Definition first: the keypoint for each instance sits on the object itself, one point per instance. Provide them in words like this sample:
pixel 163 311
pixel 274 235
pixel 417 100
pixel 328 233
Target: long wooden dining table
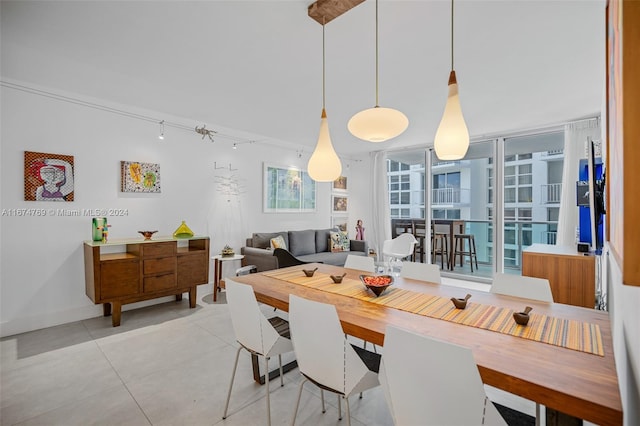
pixel 580 384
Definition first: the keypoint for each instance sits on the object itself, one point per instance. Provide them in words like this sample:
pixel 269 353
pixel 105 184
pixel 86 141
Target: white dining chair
pixel 522 286
pixel 324 356
pixel 363 263
pixel 255 333
pixel 399 247
pixel 430 382
pixel 421 271
pixel 525 287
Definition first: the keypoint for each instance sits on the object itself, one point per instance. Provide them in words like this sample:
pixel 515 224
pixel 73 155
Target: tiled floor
pixel 165 365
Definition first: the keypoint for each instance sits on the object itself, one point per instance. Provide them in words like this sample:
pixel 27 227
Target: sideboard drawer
pixel 159 249
pixel 159 265
pixel 159 282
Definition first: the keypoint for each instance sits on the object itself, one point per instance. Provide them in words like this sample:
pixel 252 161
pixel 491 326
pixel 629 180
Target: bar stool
pixel 459 249
pixel 439 246
pixel 420 232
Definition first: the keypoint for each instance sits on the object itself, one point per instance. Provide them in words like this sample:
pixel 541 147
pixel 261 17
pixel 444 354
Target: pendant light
pixel 324 164
pixel 452 137
pixel 378 124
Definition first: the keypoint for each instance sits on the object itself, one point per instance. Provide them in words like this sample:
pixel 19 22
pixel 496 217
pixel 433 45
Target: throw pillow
pixel 339 241
pixel 278 242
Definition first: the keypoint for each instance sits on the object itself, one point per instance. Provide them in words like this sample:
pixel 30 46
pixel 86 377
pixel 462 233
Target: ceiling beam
pixel 324 11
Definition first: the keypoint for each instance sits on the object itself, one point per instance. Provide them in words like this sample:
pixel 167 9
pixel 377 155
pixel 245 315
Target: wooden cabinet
pixel 126 271
pixel 570 273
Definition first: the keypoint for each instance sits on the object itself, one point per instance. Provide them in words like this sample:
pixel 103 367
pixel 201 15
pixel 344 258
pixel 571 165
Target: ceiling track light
pixel 161 136
pixel 452 137
pixel 324 164
pixel 378 124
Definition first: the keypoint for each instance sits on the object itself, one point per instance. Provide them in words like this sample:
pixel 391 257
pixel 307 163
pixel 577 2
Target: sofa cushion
pixel 302 242
pixel 278 242
pixel 322 239
pixel 263 239
pixel 339 241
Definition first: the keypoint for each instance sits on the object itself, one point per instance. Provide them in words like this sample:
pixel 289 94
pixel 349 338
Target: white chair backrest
pixel 251 327
pixel 401 246
pixel 519 286
pixel 363 263
pixel 430 382
pixel 322 352
pixel 421 271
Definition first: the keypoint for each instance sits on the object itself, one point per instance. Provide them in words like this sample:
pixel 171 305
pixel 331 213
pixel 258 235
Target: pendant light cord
pixel 323 66
pixel 377 53
pixel 452 35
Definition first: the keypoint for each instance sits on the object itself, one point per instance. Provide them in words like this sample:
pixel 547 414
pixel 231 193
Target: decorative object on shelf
pixel 48 177
pixel 376 283
pixel 183 231
pixel 378 124
pixel 452 137
pixel 337 278
pixel 139 177
pixel 96 226
pixel 460 303
pixel 309 272
pixel 227 252
pixel 522 318
pixel 104 229
pixel 147 234
pixel 359 230
pixel 324 164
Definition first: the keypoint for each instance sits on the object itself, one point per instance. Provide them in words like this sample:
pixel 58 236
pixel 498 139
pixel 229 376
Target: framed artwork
pixel 140 177
pixel 288 190
pixel 340 184
pixel 340 222
pixel 339 203
pixel 48 177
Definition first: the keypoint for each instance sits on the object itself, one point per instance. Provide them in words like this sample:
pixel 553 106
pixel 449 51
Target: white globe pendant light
pixel 324 164
pixel 377 124
pixel 452 137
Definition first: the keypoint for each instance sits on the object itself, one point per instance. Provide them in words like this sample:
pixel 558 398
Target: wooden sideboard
pixel 126 271
pixel 570 273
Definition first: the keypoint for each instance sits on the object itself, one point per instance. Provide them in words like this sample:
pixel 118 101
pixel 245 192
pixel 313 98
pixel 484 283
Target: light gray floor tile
pixel 60 378
pixel 156 348
pixel 113 406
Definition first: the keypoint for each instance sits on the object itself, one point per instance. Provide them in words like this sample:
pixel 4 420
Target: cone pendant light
pixel 377 124
pixel 452 137
pixel 324 164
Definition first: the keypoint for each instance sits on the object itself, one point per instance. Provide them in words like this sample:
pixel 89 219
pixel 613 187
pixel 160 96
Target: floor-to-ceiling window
pixel 528 192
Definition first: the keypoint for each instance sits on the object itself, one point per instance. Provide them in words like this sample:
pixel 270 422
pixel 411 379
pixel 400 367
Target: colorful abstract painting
pixel 48 177
pixel 140 177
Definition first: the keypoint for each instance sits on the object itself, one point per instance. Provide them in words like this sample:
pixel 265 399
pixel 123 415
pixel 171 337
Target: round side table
pixel 217 271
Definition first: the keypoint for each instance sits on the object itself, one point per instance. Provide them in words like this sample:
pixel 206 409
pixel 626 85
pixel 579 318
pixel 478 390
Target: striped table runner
pixel 571 334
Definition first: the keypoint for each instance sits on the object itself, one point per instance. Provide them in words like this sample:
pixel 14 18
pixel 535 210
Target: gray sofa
pixel 309 245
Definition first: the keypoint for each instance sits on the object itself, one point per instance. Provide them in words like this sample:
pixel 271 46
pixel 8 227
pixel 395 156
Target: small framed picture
pixel 340 184
pixel 340 222
pixel 339 204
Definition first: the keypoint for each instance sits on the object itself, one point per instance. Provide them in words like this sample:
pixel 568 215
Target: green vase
pixel 98 224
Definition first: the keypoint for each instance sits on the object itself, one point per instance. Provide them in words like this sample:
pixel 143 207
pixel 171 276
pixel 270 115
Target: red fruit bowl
pixel 377 283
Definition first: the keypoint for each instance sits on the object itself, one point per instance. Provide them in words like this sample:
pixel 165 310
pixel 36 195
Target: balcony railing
pixel 551 193
pixel 450 196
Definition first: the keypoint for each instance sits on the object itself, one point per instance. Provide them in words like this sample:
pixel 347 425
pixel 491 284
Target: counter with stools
pixel 460 250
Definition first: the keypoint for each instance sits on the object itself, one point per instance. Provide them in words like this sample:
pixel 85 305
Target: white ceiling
pixel 255 67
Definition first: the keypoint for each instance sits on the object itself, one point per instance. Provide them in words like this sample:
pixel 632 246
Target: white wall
pixel 41 263
pixel 623 303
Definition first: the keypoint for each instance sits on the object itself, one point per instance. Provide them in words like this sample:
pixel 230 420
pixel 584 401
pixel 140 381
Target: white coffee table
pixel 218 282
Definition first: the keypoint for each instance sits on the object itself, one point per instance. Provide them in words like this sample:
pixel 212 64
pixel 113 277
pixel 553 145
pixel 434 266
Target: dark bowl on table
pixel 376 283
